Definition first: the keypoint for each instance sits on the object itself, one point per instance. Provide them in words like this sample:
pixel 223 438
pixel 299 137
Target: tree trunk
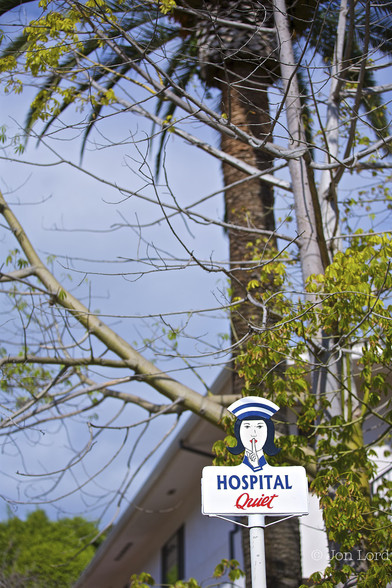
pixel 249 202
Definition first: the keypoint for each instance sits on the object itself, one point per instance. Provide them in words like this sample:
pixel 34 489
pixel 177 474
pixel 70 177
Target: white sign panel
pixel 237 490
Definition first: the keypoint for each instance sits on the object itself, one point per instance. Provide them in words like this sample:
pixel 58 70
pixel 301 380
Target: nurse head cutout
pixel 254 430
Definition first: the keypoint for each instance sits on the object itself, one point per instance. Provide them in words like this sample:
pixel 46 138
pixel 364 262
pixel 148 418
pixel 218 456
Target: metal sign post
pixel 254 488
pixel 256 525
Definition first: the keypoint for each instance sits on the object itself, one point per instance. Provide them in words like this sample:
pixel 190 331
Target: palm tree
pixel 232 46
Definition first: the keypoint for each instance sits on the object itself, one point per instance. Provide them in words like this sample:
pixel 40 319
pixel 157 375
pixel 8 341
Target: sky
pixel 76 218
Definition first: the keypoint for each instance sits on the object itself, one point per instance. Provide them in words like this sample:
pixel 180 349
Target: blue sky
pixel 74 217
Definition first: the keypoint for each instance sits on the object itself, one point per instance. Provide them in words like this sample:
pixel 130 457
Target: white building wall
pixel 314 545
pixel 206 543
pixel 153 567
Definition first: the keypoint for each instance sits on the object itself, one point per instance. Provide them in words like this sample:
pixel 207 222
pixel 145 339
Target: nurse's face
pixel 253 434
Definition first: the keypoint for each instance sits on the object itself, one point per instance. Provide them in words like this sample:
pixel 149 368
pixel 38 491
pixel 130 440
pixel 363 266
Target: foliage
pixel 225 567
pixel 353 312
pixel 141 581
pixel 46 553
pixel 230 566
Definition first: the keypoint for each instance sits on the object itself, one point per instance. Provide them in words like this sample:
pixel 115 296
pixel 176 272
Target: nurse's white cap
pixel 253 406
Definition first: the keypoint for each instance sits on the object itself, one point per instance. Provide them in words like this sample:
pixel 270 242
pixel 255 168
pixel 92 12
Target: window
pixel 173 558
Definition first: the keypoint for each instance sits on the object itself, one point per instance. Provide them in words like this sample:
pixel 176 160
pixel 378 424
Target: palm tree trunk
pixel 251 204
